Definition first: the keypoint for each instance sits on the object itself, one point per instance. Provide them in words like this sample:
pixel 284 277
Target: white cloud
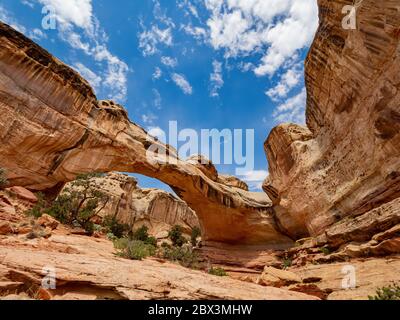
pixel 157 73
pixel 115 70
pixel 198 33
pixel 157 98
pixel 76 15
pixel 88 74
pixel 8 18
pixel 150 39
pixel 288 81
pixel 161 16
pixel 76 12
pixel 293 110
pixel 169 62
pixel 189 8
pixel 216 79
pixel 149 118
pixel 182 83
pixel 28 3
pixel 254 179
pixel 277 28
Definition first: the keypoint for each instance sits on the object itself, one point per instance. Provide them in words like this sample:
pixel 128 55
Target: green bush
pixel 37 209
pixel 3 178
pixel 142 234
pixel 391 292
pixel 115 227
pixel 325 251
pixel 76 205
pixel 134 249
pixel 185 256
pixel 196 232
pixel 286 263
pixel 220 272
pixel 175 235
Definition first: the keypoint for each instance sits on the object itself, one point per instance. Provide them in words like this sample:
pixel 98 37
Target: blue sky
pixel 235 64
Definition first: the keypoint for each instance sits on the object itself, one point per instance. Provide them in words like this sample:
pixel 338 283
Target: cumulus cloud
pixel 292 110
pixel 182 83
pixel 72 17
pixel 76 12
pixel 277 29
pixel 216 79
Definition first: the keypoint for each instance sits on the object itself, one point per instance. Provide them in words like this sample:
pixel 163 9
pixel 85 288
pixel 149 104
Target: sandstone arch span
pixel 53 128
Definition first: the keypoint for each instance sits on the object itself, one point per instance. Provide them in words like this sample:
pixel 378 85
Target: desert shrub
pixel 165 245
pixel 3 178
pixel 220 272
pixel 325 250
pixel 134 249
pixel 175 235
pixel 111 236
pixel 37 210
pixel 185 256
pixel 115 227
pixel 142 234
pixel 286 262
pixel 196 232
pixel 391 292
pixel 75 205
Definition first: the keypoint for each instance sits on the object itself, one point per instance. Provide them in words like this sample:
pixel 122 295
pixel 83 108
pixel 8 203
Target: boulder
pixel 23 194
pixel 48 221
pixel 6 228
pixel 277 278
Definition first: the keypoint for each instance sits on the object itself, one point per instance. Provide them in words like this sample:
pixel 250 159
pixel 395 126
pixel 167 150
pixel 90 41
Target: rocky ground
pixel 87 267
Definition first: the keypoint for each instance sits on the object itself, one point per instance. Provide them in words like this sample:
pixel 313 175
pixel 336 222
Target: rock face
pixel 157 209
pixel 346 162
pixel 53 128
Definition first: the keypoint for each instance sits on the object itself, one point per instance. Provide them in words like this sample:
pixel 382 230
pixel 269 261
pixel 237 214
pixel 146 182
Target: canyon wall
pixel 346 162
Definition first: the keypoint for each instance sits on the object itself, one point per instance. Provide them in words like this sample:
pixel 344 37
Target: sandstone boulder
pixel 48 221
pixel 23 194
pixel 6 228
pixel 277 278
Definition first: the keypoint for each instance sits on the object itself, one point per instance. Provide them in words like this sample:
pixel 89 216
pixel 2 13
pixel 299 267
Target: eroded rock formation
pixel 52 128
pixel 346 164
pixel 157 209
